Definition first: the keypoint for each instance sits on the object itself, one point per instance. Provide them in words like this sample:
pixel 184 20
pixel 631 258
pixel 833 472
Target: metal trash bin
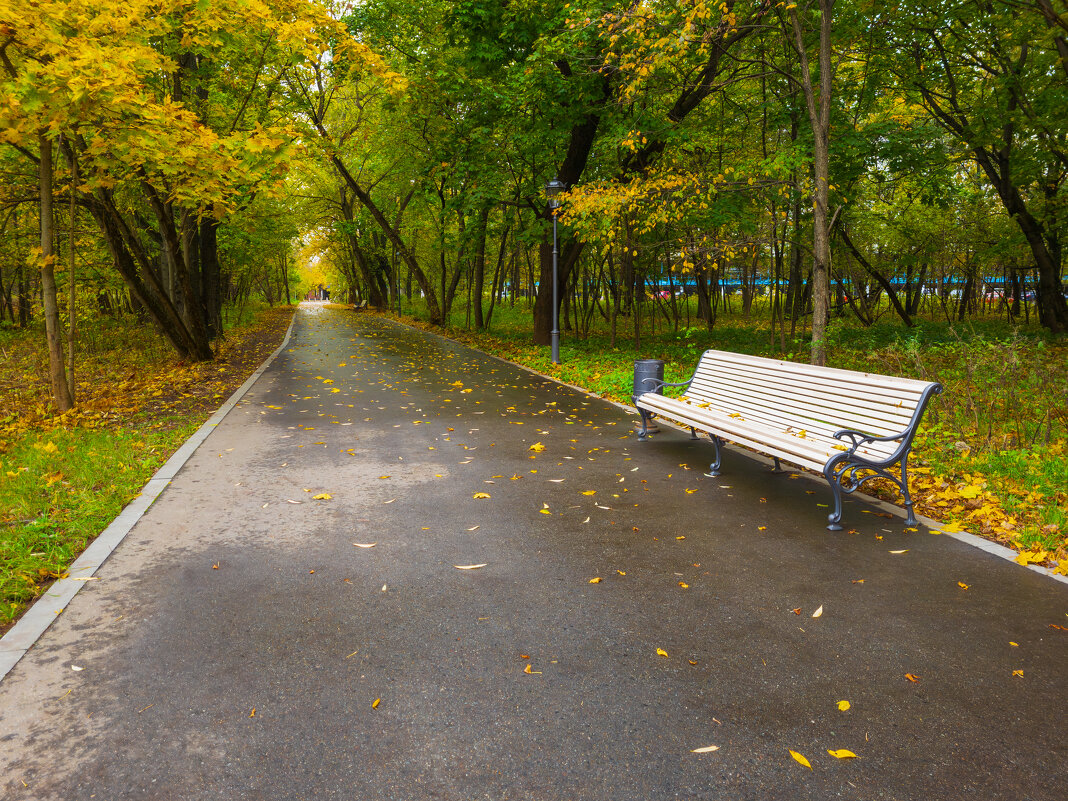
pixel 647 368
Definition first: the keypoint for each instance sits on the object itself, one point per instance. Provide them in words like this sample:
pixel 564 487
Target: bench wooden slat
pixel 866 403
pixel 789 425
pixel 774 382
pixel 814 372
pixel 814 451
pixel 840 414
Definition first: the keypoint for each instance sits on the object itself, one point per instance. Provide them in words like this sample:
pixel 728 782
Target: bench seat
pixel 850 426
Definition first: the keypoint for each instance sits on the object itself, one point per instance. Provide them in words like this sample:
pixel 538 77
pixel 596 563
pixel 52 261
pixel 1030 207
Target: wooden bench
pixel 850 426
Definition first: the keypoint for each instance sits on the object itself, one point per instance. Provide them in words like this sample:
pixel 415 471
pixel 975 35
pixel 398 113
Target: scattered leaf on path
pixel 842 753
pixel 843 705
pixel 365 544
pixel 480 495
pixel 661 652
pixel 596 580
pixel 903 550
pixel 322 496
pixel 818 612
pixel 470 567
pixel 800 758
pixel 375 703
pixel 706 750
pixel 912 677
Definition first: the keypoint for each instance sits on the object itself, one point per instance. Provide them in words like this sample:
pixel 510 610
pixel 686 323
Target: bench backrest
pixel 797 397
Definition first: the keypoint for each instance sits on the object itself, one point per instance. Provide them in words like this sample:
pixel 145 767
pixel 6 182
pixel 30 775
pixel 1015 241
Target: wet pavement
pixel 239 644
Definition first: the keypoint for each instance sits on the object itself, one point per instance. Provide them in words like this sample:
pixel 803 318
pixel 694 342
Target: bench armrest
pixel 656 384
pixel 859 438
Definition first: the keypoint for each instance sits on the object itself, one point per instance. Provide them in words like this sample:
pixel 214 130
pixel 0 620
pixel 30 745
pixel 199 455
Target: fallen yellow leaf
pixel 800 758
pixel 1028 557
pixel 842 753
pixel 1018 673
pixel 684 585
pixel 589 492
pixel 480 495
pixel 843 705
pixel 322 496
pixel 537 447
pixel 962 585
pixel 375 703
pixel 470 567
pixel 596 580
pixel 952 528
pixel 706 750
pixel 661 652
pixel 903 550
pixel 912 677
pixel 365 544
pixel 818 612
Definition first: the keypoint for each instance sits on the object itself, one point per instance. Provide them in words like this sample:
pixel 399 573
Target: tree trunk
pixel 480 267
pixel 72 306
pixel 819 114
pixel 60 388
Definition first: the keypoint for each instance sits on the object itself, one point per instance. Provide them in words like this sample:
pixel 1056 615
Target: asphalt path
pixel 239 644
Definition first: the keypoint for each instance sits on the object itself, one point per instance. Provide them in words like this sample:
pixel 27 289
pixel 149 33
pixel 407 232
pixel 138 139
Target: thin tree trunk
pixel 60 388
pixel 72 317
pixel 819 114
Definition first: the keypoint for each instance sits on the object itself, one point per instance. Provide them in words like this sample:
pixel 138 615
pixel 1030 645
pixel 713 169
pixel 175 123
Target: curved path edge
pixel 36 620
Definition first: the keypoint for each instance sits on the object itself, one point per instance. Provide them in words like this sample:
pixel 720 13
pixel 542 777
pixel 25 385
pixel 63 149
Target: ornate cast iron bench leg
pixel 646 417
pixel 713 469
pixel 834 477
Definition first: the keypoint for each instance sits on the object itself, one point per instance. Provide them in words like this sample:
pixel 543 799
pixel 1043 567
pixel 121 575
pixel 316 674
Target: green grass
pixel 59 490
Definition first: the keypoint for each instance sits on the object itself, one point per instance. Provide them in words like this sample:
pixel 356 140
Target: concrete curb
pixel 992 548
pixel 29 628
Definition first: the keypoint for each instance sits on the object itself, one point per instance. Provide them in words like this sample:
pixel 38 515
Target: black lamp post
pixel 552 192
